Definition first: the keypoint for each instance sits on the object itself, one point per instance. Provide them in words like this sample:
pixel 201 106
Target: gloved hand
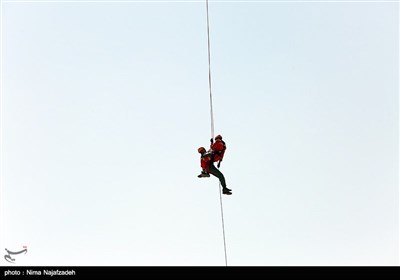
pixel 219 164
pixel 212 141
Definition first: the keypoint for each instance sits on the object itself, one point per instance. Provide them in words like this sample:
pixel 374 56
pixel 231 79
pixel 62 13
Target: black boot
pixel 226 191
pixel 203 174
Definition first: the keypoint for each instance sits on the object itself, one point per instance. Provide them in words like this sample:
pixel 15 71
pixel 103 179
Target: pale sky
pixel 105 104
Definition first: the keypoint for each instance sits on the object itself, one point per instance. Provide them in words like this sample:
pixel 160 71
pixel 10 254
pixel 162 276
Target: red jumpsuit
pixel 205 161
pixel 219 148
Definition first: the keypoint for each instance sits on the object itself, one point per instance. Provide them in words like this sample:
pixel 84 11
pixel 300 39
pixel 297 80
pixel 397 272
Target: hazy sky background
pixel 105 105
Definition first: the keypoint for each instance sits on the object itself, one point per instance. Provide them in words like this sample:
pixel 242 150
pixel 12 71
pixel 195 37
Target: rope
pixel 212 125
pixel 209 72
pixel 223 224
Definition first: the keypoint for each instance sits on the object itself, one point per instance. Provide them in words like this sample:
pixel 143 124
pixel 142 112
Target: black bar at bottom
pixel 188 272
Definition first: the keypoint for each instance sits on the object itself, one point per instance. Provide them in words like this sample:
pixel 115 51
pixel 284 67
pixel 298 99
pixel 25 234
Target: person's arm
pixel 209 153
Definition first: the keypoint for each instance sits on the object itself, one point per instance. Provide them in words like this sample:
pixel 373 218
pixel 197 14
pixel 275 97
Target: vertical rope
pixel 223 224
pixel 212 126
pixel 209 72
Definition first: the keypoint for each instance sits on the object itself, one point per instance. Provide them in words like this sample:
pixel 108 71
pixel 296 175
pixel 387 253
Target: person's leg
pixel 214 171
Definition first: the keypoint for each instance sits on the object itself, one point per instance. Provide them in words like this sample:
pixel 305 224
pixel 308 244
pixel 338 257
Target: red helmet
pixel 218 137
pixel 201 150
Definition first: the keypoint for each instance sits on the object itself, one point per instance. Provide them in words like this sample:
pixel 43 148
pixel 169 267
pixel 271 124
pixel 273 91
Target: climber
pixel 219 148
pixel 207 165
